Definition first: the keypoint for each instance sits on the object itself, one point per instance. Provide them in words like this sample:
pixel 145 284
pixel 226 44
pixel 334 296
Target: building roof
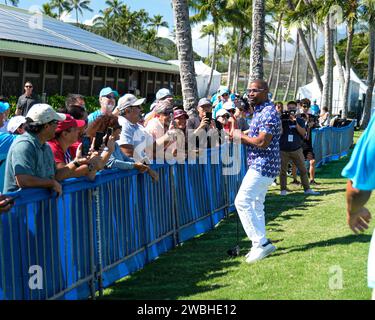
pixel 23 32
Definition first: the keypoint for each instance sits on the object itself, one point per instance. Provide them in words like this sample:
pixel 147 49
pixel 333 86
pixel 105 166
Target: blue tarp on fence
pixel 101 231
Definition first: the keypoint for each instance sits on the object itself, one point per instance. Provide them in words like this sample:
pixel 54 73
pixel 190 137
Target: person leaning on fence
pixel 162 95
pixel 264 164
pixel 134 140
pixel 292 134
pixel 117 159
pixel 30 162
pixel 324 118
pixel 107 100
pixel 361 174
pixel 27 100
pixel 69 158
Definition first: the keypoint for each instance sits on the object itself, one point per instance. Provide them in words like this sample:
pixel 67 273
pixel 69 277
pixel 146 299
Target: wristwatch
pixel 76 163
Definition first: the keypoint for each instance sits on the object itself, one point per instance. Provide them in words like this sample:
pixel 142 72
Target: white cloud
pixel 67 17
pixel 164 32
pixel 90 22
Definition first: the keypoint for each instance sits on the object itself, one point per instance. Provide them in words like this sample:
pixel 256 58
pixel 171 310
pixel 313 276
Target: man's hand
pixel 142 168
pixel 204 123
pixel 359 220
pixel 57 188
pixel 5 203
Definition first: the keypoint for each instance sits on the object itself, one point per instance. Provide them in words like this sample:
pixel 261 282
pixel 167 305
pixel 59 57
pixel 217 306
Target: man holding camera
pixel 293 133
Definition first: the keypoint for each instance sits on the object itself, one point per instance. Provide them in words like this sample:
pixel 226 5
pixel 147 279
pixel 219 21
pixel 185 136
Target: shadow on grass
pixel 362 238
pixel 197 265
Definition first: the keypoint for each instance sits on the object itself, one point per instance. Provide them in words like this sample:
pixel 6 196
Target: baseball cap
pixel 180 113
pixel 4 106
pixel 222 112
pixel 223 91
pixel 162 93
pixel 129 100
pixel 43 113
pixel 68 123
pixel 15 122
pixel 229 105
pixel 163 106
pixel 204 102
pixel 106 91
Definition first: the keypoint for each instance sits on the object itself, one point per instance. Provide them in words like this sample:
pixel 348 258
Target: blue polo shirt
pixel 27 156
pixel 265 161
pixel 6 140
pixel 94 115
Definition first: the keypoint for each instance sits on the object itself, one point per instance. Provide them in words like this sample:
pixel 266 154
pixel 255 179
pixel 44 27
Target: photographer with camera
pixel 293 132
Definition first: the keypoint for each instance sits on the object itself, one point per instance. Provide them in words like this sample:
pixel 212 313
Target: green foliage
pixel 358 57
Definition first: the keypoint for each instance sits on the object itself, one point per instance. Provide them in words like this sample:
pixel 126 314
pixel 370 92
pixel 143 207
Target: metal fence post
pixel 99 242
pixel 92 283
pixel 175 217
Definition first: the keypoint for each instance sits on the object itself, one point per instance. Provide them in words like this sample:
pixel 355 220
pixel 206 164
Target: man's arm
pixel 358 217
pixel 262 141
pixel 128 150
pixel 301 130
pixel 28 181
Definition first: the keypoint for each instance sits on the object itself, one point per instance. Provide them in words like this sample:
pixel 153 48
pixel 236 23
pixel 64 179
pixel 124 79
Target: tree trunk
pixel 339 66
pixel 270 78
pixel 370 78
pixel 230 67
pixel 238 61
pixel 309 55
pixel 290 76
pixel 185 53
pixel 296 78
pixel 212 65
pixel 278 68
pixel 328 76
pixel 257 40
pixel 345 96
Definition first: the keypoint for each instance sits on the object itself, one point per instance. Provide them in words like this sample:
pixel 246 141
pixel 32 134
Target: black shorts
pixel 308 151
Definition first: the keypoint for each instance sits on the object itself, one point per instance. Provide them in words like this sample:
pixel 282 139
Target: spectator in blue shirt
pixel 6 140
pixel 223 96
pixel 314 109
pixel 107 100
pixel 361 172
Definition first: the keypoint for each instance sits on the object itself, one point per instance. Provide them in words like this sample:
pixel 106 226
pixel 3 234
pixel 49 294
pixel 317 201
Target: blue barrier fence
pixel 101 231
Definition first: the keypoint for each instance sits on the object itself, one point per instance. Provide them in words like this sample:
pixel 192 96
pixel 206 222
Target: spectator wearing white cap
pixel 161 95
pixel 134 140
pixel 231 125
pixel 223 97
pixel 16 125
pixel 107 100
pixel 30 162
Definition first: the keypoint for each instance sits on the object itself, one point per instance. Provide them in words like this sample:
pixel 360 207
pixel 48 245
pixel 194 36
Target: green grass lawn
pixel 312 239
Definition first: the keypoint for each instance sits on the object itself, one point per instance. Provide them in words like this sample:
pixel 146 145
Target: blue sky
pixel 162 7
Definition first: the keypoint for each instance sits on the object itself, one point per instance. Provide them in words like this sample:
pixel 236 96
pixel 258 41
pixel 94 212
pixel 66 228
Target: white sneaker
pixel 257 254
pixel 312 192
pixel 283 193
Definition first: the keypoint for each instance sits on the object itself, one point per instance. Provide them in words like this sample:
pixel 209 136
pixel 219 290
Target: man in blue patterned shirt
pixel 264 166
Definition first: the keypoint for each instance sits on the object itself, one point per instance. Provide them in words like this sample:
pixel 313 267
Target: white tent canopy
pixel 203 72
pixel 356 89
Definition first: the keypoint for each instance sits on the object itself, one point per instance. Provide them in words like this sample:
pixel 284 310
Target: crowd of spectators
pixel 40 147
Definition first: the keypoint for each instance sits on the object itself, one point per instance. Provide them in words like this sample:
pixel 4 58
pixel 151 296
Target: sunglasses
pixel 255 90
pixel 28 86
pixel 110 96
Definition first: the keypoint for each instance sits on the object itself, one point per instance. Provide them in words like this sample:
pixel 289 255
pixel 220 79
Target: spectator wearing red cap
pixel 179 147
pixel 68 157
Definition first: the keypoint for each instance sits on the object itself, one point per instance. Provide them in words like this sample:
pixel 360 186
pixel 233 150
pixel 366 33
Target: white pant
pixel 250 206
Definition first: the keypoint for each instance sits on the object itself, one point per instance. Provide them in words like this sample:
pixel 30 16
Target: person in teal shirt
pixel 361 174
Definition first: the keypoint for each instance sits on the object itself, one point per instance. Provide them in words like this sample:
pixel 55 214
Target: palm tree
pixel 47 10
pixel 12 2
pixel 204 9
pixel 61 6
pixel 368 8
pixel 157 22
pixel 114 7
pixel 296 77
pixel 257 41
pixel 104 23
pixel 185 53
pixel 270 78
pixel 280 45
pixel 328 63
pixel 79 6
pixel 286 94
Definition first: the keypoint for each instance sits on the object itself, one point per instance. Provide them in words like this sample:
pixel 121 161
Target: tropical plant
pixel 157 22
pixel 12 2
pixel 79 6
pixel 185 53
pixel 61 6
pixel 48 11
